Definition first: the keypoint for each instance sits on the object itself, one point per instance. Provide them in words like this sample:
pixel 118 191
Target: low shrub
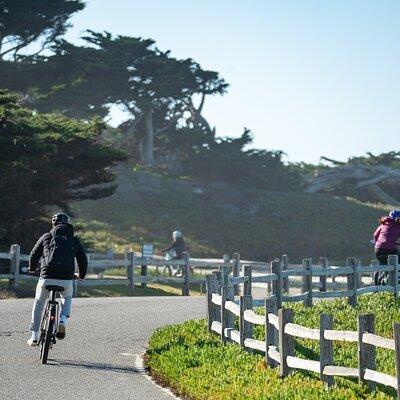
pixel 197 366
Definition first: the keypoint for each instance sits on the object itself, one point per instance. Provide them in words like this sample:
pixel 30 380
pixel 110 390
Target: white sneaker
pixel 33 341
pixel 61 330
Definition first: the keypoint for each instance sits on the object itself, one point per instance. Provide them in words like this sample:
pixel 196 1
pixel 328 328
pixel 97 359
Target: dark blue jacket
pixel 38 254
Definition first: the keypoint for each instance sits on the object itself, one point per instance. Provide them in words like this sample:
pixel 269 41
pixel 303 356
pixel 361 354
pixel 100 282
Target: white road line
pixel 139 367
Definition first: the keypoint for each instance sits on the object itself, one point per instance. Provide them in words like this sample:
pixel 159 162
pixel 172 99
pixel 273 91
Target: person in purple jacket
pixel 385 237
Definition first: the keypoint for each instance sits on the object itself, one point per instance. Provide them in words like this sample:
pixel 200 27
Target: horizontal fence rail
pixel 281 332
pixel 353 286
pixel 242 275
pixel 131 263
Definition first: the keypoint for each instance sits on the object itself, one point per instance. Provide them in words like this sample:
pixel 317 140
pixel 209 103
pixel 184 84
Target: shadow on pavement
pixel 95 366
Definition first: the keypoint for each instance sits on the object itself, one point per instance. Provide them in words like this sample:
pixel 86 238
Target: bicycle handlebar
pixel 25 270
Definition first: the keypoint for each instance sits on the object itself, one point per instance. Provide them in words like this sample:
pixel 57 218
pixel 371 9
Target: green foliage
pixel 24 21
pixel 47 160
pixel 153 87
pixel 201 155
pixel 197 366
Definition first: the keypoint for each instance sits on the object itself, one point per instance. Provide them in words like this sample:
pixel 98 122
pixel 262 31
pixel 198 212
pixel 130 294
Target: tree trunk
pixel 1 46
pixel 148 145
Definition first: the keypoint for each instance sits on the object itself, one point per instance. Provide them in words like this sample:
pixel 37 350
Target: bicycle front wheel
pixel 47 340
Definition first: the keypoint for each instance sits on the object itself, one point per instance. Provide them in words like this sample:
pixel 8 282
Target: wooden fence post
pixel 325 348
pixel 224 275
pixel 277 284
pixel 285 266
pixel 90 268
pixel 245 328
pixel 186 274
pixel 323 262
pixel 15 252
pixel 271 338
pixel 396 335
pixel 352 281
pixel 130 267
pixel 286 342
pixel 219 277
pixel 223 313
pixel 247 285
pixel 269 283
pixel 394 275
pixel 359 274
pixel 236 272
pixel 217 288
pixel 226 315
pixel 126 256
pixel 143 272
pixel 366 352
pixel 307 283
pixel 212 287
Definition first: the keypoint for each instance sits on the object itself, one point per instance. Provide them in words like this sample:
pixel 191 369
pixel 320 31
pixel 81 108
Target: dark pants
pixel 381 277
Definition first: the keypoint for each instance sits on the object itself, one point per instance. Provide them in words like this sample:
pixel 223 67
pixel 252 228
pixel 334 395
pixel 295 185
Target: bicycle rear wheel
pixel 48 338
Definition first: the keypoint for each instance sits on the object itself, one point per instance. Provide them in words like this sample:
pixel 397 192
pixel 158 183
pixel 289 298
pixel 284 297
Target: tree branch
pixel 133 110
pixel 166 127
pixel 14 49
pixel 42 47
pixel 199 109
pixel 333 161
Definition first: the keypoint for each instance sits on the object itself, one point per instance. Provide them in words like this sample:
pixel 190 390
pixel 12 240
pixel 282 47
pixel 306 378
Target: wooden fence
pixel 241 273
pixel 352 272
pixel 131 263
pixel 280 334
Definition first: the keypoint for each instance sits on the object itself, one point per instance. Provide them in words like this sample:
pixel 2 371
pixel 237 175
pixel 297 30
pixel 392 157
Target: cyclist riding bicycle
pixel 177 247
pixel 54 255
pixel 385 238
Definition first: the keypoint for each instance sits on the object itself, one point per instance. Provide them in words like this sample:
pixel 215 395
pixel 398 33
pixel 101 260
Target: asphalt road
pixel 96 359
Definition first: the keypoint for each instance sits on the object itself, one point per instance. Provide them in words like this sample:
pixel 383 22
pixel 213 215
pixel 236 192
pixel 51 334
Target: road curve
pixel 96 359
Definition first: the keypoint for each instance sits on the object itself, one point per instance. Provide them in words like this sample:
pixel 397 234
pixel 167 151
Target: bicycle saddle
pixel 54 288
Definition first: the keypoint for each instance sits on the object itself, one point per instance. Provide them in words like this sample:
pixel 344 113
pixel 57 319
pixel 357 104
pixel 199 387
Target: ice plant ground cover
pixel 196 365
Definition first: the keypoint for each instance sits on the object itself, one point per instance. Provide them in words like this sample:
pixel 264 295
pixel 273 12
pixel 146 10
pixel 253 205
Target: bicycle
pixel 50 320
pixel 381 278
pixel 49 324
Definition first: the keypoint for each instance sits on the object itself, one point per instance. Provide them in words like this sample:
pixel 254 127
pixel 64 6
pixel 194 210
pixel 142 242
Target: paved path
pixel 96 359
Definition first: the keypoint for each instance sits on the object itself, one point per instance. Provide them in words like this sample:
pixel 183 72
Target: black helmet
pixel 60 218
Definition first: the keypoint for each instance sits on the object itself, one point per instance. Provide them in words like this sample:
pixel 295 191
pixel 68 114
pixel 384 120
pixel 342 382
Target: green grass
pixel 257 224
pixel 197 366
pixel 27 290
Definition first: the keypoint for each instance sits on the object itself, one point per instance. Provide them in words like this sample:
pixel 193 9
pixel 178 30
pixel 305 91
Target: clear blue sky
pixel 310 78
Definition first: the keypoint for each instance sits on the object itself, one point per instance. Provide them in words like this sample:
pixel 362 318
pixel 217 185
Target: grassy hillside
pixel 216 219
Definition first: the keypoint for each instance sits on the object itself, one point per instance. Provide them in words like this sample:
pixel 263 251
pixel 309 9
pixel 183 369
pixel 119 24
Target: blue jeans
pixel 42 295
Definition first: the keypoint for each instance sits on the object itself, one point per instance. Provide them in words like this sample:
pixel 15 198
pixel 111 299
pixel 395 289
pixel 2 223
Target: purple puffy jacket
pixel 387 234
